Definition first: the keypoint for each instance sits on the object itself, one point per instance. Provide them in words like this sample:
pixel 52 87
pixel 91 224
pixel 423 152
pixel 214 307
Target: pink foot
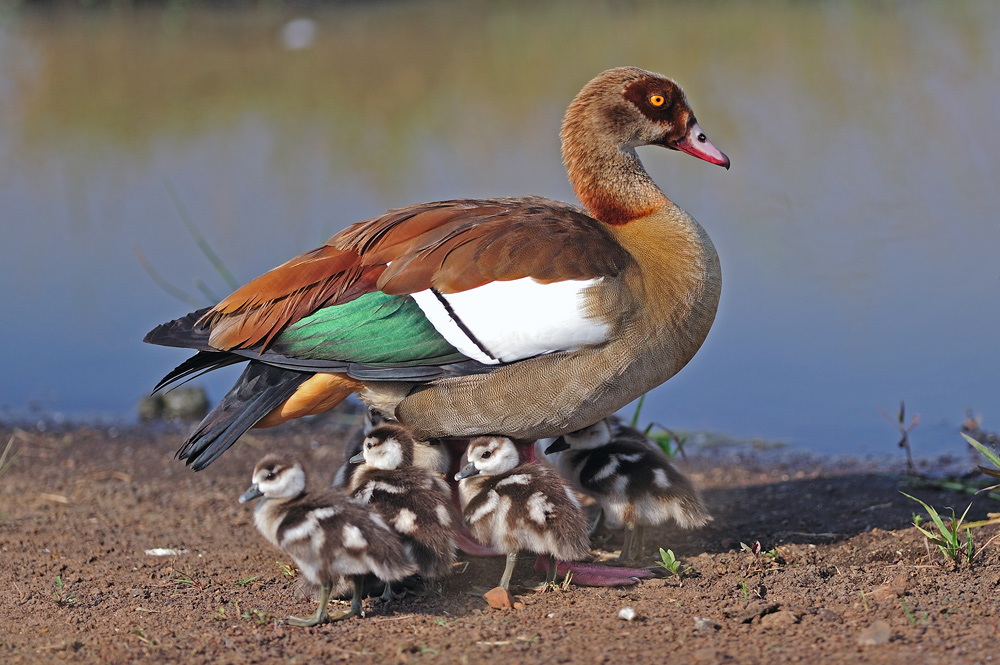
pixel 595 574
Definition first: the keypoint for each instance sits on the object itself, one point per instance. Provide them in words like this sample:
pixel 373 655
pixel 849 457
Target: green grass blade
pixel 638 409
pixel 203 245
pixel 983 450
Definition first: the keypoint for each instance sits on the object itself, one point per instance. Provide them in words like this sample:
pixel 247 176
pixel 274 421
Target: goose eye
pixel 486 454
pixel 270 476
pixel 656 100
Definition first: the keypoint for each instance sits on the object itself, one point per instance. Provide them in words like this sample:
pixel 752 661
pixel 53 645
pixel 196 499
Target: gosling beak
pixel 468 470
pixel 357 459
pixel 696 144
pixel 252 493
pixel 556 446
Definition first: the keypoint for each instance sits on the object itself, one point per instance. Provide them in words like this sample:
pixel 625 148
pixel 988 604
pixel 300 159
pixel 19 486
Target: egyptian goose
pixel 415 502
pixel 523 317
pixel 327 535
pixel 430 455
pixel 632 480
pixel 515 507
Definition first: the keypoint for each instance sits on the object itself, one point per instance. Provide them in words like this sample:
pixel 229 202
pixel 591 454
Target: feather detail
pixel 452 246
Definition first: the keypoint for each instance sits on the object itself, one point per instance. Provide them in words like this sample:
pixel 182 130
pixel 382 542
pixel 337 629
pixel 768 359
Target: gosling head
pixel 592 436
pixel 276 477
pixel 489 456
pixel 387 447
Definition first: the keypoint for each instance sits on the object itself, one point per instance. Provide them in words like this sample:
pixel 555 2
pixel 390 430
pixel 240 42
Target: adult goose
pixel 522 317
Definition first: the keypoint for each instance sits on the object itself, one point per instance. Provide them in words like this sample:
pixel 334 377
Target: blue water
pixel 858 228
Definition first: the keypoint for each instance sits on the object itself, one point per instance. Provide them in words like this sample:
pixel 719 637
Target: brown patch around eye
pixel 656 98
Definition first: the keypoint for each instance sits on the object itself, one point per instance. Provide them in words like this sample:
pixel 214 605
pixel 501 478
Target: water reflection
pixel 857 227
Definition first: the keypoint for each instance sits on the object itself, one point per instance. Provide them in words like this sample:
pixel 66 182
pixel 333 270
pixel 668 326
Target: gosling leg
pixel 508 570
pixel 628 544
pixel 321 615
pixel 639 547
pixel 355 611
pixel 599 531
pixel 386 593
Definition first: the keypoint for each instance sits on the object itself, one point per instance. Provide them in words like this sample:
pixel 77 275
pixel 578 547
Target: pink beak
pixel 697 144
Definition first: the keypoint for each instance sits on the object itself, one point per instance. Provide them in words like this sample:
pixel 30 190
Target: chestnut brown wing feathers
pixel 450 245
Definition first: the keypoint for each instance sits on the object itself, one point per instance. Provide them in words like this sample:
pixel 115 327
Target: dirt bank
pixel 82 511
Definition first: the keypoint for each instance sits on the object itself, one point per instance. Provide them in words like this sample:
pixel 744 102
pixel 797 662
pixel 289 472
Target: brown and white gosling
pixel 629 476
pixel 326 534
pixel 430 455
pixel 413 501
pixel 513 507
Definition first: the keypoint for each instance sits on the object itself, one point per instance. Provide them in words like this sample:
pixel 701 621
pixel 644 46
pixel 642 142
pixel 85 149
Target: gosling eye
pixel 270 476
pixel 487 454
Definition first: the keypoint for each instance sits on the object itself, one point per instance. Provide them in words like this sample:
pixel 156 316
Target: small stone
pixel 779 619
pixel 627 614
pixel 826 614
pixel 883 594
pixel 499 598
pixel 877 633
pixel 518 605
pixel 702 623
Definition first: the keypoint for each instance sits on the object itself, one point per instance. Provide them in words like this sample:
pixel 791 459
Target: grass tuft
pixel 947 539
pixel 671 564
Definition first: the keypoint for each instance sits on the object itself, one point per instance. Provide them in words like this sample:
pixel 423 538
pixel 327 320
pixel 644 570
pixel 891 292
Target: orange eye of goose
pixel 656 100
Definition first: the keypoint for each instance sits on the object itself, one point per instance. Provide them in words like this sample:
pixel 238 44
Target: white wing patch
pixel 514 319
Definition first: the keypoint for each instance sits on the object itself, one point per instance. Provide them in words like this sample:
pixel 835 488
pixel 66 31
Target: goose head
pixel 386 447
pixel 489 456
pixel 278 477
pixel 630 107
pixel 616 112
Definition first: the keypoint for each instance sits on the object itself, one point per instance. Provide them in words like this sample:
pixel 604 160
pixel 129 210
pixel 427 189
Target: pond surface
pixel 859 226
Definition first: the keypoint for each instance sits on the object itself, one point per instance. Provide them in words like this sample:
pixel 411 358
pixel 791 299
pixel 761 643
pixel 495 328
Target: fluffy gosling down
pixel 414 501
pixel 430 455
pixel 629 476
pixel 513 507
pixel 326 534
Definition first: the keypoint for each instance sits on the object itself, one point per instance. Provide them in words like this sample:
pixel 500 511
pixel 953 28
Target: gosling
pixel 430 455
pixel 326 534
pixel 415 502
pixel 513 507
pixel 630 477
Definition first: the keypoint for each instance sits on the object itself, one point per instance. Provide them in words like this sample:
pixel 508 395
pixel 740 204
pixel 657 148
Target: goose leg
pixel 386 593
pixel 508 570
pixel 321 614
pixel 553 570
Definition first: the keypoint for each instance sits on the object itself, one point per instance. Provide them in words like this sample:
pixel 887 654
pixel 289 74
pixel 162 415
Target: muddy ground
pixel 847 580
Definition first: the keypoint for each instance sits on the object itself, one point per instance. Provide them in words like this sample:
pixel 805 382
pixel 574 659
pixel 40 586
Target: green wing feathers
pixel 374 329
